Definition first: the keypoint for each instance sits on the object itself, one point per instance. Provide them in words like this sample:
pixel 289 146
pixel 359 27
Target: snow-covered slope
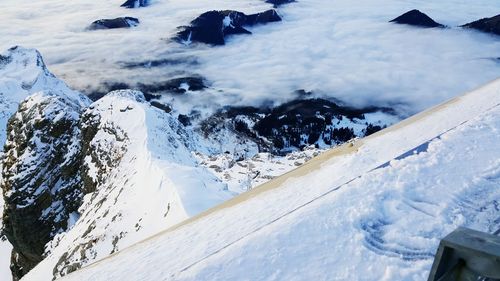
pixel 374 209
pixel 147 168
pixel 142 177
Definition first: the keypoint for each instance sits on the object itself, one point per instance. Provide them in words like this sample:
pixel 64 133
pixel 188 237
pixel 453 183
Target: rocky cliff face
pixel 41 176
pixel 41 158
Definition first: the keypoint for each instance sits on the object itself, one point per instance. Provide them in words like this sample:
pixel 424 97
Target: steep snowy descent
pixel 142 177
pixel 343 212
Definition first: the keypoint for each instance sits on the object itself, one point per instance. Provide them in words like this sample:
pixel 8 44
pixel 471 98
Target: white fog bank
pixel 334 48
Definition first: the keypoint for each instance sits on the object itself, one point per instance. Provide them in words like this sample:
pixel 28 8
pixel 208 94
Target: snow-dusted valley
pixel 244 140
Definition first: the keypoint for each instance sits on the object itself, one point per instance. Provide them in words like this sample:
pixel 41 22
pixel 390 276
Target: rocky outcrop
pixel 416 18
pixel 103 145
pixel 123 22
pixel 489 25
pixel 131 4
pixel 213 27
pixel 41 184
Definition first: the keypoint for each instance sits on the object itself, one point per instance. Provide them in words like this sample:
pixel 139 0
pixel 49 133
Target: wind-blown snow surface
pixel 372 210
pixel 335 48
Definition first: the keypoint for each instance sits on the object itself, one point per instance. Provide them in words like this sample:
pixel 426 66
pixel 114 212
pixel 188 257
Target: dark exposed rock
pixel 262 18
pixel 184 119
pixel 489 25
pixel 303 94
pixel 160 63
pixel 175 86
pixel 4 60
pixel 208 28
pixel 131 4
pixel 296 124
pixel 416 18
pixel 212 27
pixel 161 106
pixel 41 183
pixel 277 3
pixel 372 129
pixel 303 122
pixel 123 22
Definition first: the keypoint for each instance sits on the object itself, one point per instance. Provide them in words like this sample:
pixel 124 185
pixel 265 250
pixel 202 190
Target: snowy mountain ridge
pixel 267 225
pixel 22 73
pixel 149 185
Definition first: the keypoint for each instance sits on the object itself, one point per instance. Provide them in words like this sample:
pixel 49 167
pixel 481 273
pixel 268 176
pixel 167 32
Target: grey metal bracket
pixel 467 255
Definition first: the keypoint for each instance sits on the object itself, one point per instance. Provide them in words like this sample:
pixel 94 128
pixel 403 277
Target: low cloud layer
pixel 335 48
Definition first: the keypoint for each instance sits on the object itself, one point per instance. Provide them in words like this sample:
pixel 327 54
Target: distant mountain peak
pixel 416 18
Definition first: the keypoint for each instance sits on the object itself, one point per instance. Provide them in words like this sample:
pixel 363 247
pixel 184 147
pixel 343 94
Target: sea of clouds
pixel 340 49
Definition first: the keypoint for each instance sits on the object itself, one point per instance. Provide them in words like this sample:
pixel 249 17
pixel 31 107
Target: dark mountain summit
pixel 277 3
pixel 416 18
pixel 489 25
pixel 212 27
pixel 131 4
